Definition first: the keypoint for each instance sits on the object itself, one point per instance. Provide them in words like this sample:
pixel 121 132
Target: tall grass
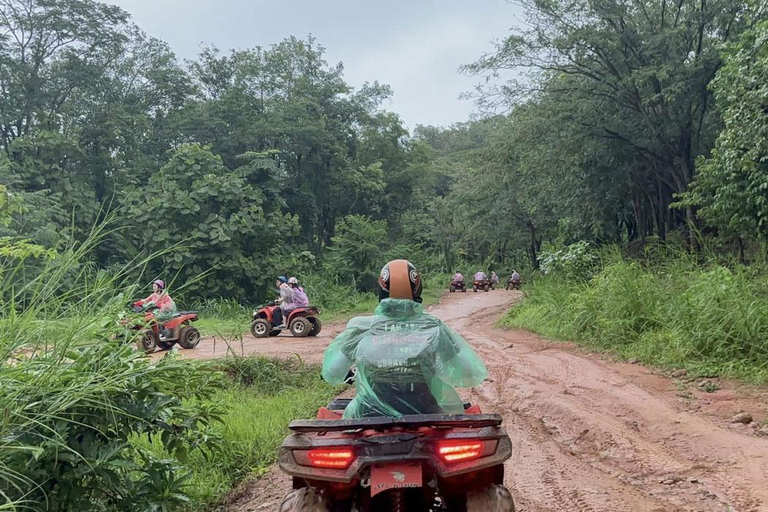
pixel 671 310
pixel 71 399
pixel 262 397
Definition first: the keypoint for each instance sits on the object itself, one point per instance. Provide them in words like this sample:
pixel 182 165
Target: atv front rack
pixel 383 423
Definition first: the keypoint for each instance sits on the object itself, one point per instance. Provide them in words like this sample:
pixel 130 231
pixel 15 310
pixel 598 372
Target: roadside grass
pixel 709 318
pixel 262 397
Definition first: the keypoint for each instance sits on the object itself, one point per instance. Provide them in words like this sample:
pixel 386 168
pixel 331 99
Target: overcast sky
pixel 415 46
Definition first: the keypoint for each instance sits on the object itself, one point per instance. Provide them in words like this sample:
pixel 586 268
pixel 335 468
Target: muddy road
pixel 589 434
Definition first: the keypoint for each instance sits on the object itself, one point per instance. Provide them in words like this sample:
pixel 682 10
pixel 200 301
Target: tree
pixel 49 49
pixel 641 66
pixel 215 228
pixel 731 188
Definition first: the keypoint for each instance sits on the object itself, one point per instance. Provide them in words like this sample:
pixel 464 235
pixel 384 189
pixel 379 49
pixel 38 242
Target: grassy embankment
pixel 675 312
pixel 260 398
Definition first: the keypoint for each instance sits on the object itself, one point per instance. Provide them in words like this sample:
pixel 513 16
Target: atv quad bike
pixel 413 463
pixel 514 284
pixel 481 284
pixel 457 286
pixel 163 334
pixel 301 321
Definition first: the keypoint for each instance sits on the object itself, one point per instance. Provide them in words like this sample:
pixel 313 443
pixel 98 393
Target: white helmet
pixel 293 280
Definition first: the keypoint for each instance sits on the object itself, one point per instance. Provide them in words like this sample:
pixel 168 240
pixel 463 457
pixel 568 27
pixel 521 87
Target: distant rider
pixel 457 278
pixel 299 298
pixel 407 361
pixel 166 307
pixel 480 276
pixel 515 277
pixel 494 277
pixel 284 301
pixel 160 298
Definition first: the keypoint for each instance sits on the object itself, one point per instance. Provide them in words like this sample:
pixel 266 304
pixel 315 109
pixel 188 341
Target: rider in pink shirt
pixel 160 298
pixel 458 277
pixel 480 276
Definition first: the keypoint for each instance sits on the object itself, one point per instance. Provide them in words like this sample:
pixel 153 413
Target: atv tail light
pixel 328 458
pixel 464 450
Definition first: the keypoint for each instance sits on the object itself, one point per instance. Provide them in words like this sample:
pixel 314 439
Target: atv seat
pixel 182 313
pixel 340 404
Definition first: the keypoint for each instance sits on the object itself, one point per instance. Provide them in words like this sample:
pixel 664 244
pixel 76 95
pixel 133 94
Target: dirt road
pixel 591 434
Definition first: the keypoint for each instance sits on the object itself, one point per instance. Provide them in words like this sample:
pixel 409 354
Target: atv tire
pixel 300 327
pixel 304 500
pixel 317 326
pixel 261 328
pixel 189 337
pixel 146 342
pixel 474 289
pixel 494 498
pixel 453 288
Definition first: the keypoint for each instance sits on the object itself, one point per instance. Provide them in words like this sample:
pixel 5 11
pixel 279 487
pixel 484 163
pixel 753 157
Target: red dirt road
pixel 588 434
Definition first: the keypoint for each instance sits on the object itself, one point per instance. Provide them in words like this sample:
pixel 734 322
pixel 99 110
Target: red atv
pixel 514 284
pixel 301 321
pixel 481 284
pixel 414 463
pixel 457 286
pixel 165 334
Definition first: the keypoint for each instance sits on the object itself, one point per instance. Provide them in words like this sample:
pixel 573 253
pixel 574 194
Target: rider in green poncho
pixel 407 361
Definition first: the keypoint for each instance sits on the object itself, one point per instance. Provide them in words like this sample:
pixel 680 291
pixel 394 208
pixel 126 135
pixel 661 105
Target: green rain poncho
pixel 408 362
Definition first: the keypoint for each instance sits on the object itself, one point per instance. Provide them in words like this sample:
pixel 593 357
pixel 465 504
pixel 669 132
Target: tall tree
pixel 642 65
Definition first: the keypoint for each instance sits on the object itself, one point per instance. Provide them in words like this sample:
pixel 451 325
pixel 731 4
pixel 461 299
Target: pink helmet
pixel 160 283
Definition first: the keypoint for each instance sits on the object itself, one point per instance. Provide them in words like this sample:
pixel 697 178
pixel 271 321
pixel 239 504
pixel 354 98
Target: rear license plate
pixel 395 476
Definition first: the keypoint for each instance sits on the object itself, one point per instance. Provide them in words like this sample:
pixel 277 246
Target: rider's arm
pixel 459 364
pixel 151 298
pixel 285 295
pixel 340 354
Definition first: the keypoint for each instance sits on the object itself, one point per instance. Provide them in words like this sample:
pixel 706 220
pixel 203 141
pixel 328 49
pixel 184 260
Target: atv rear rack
pixel 382 423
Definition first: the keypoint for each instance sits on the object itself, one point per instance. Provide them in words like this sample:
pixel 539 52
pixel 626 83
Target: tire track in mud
pixel 588 435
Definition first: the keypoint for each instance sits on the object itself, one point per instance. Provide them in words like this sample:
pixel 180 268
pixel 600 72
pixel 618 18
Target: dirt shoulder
pixel 589 434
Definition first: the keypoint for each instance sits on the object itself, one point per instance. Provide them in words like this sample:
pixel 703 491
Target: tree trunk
pixel 533 248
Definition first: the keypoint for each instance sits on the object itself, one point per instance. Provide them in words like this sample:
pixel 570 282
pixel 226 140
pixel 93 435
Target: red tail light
pixel 330 458
pixel 459 450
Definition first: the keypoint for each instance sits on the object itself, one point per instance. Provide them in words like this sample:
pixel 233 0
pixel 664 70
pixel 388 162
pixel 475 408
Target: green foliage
pixel 73 401
pixel 575 261
pixel 731 186
pixel 222 225
pixel 676 313
pixel 618 108
pixel 263 396
pixel 355 256
pixel 266 376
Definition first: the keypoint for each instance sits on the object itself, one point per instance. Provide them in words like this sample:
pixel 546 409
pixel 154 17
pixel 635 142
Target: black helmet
pixel 399 279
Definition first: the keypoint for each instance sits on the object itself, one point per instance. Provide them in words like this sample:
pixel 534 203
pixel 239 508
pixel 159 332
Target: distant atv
pixel 514 284
pixel 457 286
pixel 301 321
pixel 481 284
pixel 177 329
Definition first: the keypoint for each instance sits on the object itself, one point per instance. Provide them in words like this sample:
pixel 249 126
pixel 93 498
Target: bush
pixel 573 261
pixel 676 313
pixel 71 401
